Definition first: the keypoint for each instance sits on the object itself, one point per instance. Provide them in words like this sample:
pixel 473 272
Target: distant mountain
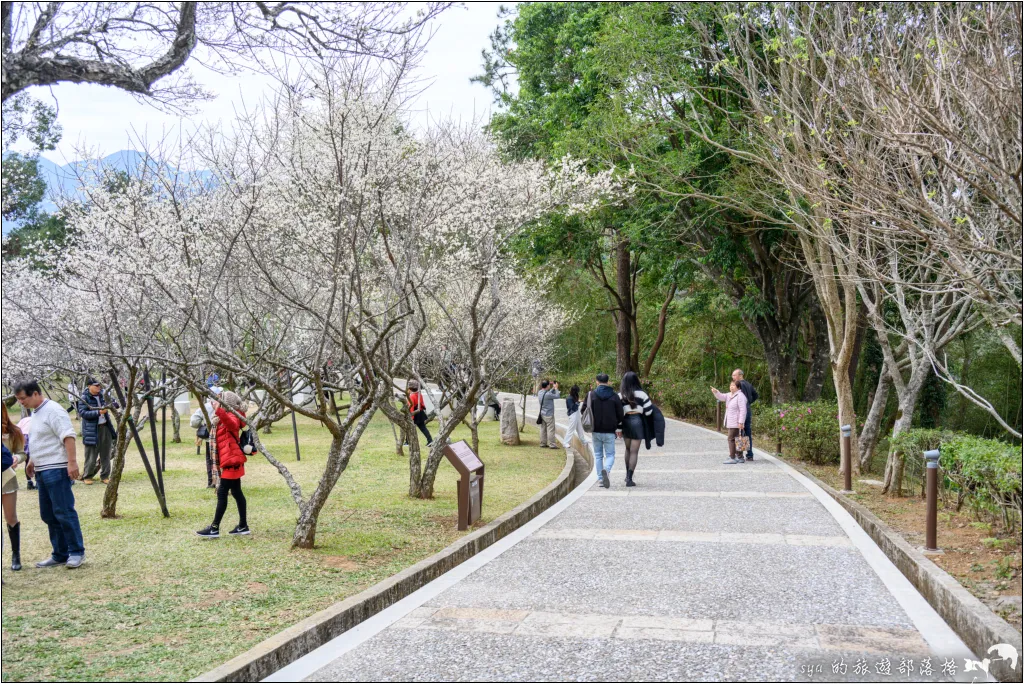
pixel 65 182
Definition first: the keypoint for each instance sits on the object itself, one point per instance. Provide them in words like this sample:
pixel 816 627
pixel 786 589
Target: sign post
pixel 471 482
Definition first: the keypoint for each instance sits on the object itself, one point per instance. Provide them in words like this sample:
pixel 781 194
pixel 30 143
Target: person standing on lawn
pixel 55 464
pixel 96 432
pixel 751 395
pixel 230 460
pixel 606 406
pixel 546 397
pixel 735 415
pixel 13 445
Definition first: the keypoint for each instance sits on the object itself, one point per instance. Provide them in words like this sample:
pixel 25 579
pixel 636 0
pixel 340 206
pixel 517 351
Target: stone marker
pixel 509 423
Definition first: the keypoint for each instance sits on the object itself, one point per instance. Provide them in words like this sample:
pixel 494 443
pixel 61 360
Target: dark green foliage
pixel 23 186
pixel 986 473
pixel 807 430
pixel 686 398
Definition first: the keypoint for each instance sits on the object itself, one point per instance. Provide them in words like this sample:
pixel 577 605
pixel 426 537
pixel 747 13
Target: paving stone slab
pixel 699 514
pixel 742 581
pixel 731 481
pixel 429 656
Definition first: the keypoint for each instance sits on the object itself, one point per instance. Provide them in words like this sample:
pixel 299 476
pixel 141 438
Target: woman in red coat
pixel 231 462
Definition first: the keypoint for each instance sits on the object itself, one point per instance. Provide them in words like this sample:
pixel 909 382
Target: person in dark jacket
pixel 654 427
pixel 751 394
pixel 231 461
pixel 636 407
pixel 96 431
pixel 606 406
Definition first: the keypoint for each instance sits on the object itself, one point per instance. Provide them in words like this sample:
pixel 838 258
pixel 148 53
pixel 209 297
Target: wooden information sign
pixel 471 482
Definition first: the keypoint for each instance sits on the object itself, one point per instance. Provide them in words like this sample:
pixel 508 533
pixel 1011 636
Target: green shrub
pixel 808 430
pixel 986 472
pixel 913 443
pixel 686 398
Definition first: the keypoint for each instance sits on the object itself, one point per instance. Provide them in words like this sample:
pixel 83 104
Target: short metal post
pixel 932 493
pixel 847 456
pixel 718 416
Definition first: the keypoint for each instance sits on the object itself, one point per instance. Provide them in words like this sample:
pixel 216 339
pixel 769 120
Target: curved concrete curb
pixel 972 620
pixel 274 653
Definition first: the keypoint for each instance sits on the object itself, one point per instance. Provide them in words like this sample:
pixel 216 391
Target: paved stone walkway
pixel 704 571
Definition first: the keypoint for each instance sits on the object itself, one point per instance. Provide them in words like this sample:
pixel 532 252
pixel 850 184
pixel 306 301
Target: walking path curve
pixel 703 571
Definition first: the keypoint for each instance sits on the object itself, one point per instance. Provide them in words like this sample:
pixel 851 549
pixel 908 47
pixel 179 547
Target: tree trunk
pixel 436 455
pixel 400 417
pixel 847 416
pixel 781 372
pixel 175 426
pixel 124 438
pixel 819 352
pixel 858 344
pixel 662 322
pixel 873 423
pixel 474 430
pixel 304 536
pixel 109 507
pixel 892 483
pixel 624 313
pixel 341 450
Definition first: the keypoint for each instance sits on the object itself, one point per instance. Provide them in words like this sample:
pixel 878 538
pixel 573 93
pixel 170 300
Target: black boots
pixel 15 534
pixel 629 479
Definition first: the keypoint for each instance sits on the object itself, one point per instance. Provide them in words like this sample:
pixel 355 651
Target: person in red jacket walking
pixel 230 461
pixel 418 408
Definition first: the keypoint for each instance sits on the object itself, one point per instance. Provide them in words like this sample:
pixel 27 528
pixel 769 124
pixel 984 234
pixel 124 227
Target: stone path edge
pixel 287 646
pixel 972 620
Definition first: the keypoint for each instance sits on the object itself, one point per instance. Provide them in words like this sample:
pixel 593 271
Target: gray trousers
pixel 547 432
pixel 97 456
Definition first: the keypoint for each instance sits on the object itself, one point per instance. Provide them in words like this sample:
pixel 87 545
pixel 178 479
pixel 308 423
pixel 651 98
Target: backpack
pixel 246 440
pixel 587 416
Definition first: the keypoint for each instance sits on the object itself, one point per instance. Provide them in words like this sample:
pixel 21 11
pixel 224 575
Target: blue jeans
pixel 57 509
pixel 604 451
pixel 746 431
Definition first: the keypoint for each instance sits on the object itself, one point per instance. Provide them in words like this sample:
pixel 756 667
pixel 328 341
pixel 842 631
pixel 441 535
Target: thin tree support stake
pixel 150 406
pixel 295 426
pixel 163 421
pixel 141 448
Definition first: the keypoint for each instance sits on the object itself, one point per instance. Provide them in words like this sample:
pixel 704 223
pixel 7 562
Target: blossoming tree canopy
pixel 332 247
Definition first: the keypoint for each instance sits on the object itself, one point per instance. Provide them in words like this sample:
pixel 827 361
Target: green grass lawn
pixel 155 602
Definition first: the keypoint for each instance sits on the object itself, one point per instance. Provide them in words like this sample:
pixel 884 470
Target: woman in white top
pixel 635 405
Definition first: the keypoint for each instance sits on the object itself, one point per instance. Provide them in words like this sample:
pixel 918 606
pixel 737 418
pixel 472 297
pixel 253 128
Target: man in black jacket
pixel 751 394
pixel 607 411
pixel 96 432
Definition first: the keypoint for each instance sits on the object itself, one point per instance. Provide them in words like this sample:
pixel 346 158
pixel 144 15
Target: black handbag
pixel 540 420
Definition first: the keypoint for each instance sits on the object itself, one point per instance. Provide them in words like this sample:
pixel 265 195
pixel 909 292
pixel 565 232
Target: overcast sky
pixel 101 120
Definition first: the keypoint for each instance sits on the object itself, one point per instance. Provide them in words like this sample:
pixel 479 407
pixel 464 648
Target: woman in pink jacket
pixel 735 415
